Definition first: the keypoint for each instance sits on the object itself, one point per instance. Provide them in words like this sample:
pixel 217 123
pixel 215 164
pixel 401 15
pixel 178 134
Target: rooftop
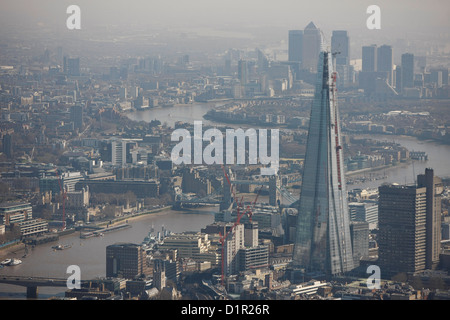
pixel 10 205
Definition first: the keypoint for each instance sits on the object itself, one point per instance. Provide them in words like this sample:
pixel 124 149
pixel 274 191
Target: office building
pixel 439 76
pixel 134 92
pixel 364 211
pixel 323 242
pixel 125 260
pixel 49 184
pixel 267 217
pixel 256 257
pixel 359 231
pixel 72 66
pixel 312 45
pixel 385 62
pixel 369 58
pixel 243 72
pixel 195 246
pixel 445 231
pixel 434 191
pixel 372 80
pixel 340 46
pixel 295 44
pixel 402 229
pixel 407 70
pixel 233 242
pixel 251 234
pixel 54 184
pixel 123 93
pixel 70 179
pixel 76 116
pixel 398 78
pixel 30 227
pixel 14 212
pixel 118 152
pixel 282 75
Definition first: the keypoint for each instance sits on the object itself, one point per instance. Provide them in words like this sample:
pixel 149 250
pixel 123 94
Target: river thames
pixel 438 154
pixel 90 254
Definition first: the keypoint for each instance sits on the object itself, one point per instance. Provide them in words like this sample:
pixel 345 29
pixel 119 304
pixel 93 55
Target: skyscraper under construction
pixel 323 242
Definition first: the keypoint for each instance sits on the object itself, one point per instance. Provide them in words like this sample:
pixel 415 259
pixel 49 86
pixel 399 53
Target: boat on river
pixel 61 247
pixel 14 262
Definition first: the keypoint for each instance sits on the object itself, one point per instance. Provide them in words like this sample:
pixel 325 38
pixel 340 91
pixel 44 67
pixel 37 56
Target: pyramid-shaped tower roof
pixel 311 26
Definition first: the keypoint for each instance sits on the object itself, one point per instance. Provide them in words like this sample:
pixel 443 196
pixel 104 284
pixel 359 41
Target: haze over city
pixel 252 20
pixel 134 151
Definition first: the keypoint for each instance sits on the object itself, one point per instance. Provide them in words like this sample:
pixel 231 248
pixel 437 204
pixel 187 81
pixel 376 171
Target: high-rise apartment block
pixel 410 225
pixel 232 244
pixel 434 188
pixel 402 233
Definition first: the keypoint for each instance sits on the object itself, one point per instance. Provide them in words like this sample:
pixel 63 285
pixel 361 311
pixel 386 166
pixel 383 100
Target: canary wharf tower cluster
pixel 323 242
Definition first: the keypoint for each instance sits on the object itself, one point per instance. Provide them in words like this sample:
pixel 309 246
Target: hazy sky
pixel 397 15
pixel 408 25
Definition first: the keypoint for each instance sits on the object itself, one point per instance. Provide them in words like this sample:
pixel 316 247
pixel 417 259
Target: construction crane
pixel 336 129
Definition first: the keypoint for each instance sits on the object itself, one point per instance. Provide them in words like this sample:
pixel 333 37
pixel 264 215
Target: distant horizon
pixel 204 26
pixel 399 17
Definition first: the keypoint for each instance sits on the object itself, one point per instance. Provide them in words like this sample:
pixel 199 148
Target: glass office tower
pixel 323 242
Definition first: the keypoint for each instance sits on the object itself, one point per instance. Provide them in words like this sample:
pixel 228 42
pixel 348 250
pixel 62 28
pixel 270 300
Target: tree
pixel 437 283
pixel 400 277
pixel 417 283
pixel 128 198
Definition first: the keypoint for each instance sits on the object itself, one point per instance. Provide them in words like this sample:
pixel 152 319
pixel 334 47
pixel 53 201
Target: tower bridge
pixel 223 196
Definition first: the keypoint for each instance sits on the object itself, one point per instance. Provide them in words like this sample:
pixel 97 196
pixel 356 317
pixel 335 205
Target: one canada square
pixel 323 242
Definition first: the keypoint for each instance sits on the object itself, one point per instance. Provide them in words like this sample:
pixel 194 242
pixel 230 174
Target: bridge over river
pixel 32 283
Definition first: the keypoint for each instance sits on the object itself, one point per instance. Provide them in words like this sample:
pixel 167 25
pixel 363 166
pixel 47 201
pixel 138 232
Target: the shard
pixel 323 242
